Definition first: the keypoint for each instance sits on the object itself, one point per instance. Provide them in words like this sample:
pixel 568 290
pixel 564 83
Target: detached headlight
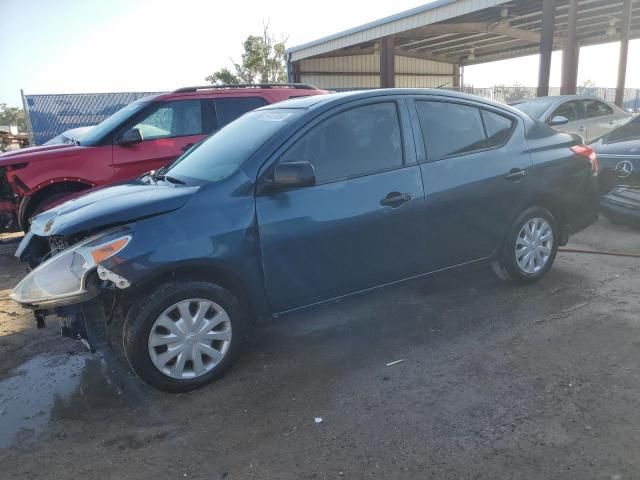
pixel 63 277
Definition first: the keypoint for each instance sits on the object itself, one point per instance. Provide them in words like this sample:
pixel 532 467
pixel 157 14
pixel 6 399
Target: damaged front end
pixel 8 219
pixel 67 277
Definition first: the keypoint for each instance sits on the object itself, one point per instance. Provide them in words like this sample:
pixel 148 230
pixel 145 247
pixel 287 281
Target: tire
pixel 513 264
pixel 179 302
pixel 40 206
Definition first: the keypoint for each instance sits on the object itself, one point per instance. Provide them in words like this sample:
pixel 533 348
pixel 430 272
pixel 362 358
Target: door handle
pixel 582 128
pixel 516 174
pixel 187 147
pixel 395 199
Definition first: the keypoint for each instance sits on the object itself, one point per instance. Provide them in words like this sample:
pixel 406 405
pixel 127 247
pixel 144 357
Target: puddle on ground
pixel 51 388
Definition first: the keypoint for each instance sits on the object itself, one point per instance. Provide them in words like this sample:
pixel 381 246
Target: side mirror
pixel 558 120
pixel 294 174
pixel 129 137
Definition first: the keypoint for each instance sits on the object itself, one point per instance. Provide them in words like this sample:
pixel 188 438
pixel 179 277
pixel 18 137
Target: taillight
pixel 589 154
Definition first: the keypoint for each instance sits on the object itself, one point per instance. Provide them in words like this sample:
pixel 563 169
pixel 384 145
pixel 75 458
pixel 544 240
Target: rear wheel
pixel 530 247
pixel 183 335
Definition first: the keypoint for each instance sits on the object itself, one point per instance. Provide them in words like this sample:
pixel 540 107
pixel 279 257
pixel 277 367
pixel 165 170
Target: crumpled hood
pixel 43 152
pixel 108 206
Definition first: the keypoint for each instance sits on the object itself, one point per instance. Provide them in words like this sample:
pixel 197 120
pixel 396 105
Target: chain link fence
pixel 50 115
pixel 514 94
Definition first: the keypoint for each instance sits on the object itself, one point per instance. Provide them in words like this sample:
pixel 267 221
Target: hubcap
pixel 190 338
pixel 534 245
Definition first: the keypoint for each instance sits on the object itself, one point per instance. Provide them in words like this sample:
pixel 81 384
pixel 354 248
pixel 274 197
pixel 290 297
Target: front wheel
pixel 183 335
pixel 530 247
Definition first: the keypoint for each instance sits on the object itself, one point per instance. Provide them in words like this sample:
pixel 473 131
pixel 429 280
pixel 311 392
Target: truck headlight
pixel 62 278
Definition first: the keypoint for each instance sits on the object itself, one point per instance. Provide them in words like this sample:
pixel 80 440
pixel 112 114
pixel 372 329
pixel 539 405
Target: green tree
pixel 263 61
pixel 12 116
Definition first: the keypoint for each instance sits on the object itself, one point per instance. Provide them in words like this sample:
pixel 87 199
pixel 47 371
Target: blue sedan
pixel 300 203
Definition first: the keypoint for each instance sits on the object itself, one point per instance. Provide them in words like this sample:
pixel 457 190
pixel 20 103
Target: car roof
pixel 555 98
pixel 336 98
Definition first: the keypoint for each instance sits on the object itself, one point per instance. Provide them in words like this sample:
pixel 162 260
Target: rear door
pixel 362 224
pixel 475 172
pixel 167 131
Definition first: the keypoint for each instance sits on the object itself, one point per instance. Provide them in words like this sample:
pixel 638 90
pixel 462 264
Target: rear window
pixel 230 108
pixel 450 129
pixel 594 108
pixel 498 128
pixel 629 131
pixel 534 108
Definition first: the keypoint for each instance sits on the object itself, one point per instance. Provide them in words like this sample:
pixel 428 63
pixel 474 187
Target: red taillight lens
pixel 589 154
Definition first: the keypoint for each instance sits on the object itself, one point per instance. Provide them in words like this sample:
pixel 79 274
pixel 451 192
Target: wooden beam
pixel 367 74
pixel 479 27
pixel 422 56
pixel 624 52
pixel 370 50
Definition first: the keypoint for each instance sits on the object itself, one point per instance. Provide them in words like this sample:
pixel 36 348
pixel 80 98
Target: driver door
pixel 361 225
pixel 167 131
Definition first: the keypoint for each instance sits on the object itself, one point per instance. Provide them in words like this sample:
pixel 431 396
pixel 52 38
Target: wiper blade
pixel 155 176
pixel 171 179
pixel 160 175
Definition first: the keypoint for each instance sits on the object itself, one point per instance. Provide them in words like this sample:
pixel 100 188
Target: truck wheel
pixel 530 247
pixel 183 335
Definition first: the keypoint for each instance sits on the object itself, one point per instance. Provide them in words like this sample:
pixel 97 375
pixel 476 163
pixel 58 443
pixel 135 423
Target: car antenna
pixel 444 84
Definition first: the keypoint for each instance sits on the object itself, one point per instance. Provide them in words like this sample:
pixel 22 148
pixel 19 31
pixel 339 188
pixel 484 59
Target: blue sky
pixel 72 46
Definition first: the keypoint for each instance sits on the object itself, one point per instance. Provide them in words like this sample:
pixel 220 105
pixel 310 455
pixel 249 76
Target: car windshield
pixel 534 108
pixel 221 154
pixel 96 134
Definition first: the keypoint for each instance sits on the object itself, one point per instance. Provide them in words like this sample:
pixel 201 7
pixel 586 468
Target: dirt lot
pixel 497 382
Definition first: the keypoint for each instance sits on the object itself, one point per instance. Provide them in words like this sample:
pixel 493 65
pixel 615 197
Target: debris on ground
pixel 395 362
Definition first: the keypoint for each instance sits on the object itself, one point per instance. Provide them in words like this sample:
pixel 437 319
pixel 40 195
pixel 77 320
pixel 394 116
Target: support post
pixel 387 62
pixel 570 53
pixel 295 70
pixel 456 76
pixel 546 46
pixel 624 52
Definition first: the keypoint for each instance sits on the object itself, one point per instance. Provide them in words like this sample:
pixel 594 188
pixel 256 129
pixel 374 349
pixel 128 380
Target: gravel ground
pixel 496 381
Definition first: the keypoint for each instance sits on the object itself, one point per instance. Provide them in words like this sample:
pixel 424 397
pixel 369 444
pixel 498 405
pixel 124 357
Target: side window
pixel 571 110
pixel 498 128
pixel 172 119
pixel 354 142
pixel 594 108
pixel 450 128
pixel 230 108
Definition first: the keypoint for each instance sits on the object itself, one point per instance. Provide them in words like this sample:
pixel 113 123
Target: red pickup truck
pixel 143 136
